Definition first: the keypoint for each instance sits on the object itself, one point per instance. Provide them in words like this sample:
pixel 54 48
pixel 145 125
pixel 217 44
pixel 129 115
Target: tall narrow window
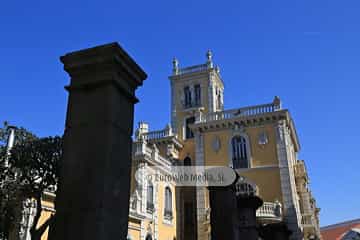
pixel 150 198
pixel 239 152
pixel 219 103
pixel 188 132
pixel 187 94
pixel 168 203
pixel 197 95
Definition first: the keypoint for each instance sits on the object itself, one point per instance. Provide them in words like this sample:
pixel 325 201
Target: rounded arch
pixel 187 161
pixel 240 151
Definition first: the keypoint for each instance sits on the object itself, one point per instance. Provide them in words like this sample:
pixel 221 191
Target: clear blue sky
pixel 305 51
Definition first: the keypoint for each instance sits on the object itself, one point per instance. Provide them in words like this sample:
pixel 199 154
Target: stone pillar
pixel 278 231
pixel 247 206
pixel 223 214
pixel 93 196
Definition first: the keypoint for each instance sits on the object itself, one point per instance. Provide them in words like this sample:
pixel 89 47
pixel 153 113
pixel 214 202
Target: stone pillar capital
pixel 103 65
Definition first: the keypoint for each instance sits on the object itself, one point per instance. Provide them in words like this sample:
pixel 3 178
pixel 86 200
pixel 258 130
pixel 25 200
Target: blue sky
pixel 307 52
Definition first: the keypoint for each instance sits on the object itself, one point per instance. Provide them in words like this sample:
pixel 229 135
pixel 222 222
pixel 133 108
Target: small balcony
pixel 155 135
pixel 150 207
pixel 269 212
pixel 168 215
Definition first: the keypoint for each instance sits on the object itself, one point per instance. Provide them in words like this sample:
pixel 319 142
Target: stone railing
pixel 234 113
pixel 196 68
pixel 141 148
pixel 192 104
pixel 167 132
pixel 270 212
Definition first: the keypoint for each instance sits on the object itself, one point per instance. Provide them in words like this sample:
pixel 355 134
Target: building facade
pixel 259 142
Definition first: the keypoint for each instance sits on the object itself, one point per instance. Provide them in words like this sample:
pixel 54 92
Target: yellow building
pixel 260 142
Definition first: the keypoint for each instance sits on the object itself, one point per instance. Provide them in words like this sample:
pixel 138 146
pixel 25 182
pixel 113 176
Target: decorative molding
pixel 216 144
pixel 263 139
pixel 200 191
pixel 292 215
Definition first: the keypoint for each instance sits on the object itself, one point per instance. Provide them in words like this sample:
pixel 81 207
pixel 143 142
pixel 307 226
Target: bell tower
pixel 194 90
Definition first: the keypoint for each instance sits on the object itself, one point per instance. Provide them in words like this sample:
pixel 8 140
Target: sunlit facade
pixel 260 142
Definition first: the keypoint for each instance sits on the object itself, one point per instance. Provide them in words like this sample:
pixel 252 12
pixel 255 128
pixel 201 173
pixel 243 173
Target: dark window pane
pixel 188 132
pixel 239 152
pixel 197 95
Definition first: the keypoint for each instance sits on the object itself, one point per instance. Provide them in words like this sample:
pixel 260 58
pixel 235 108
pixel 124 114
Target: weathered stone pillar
pixel 278 231
pixel 93 196
pixel 247 206
pixel 223 214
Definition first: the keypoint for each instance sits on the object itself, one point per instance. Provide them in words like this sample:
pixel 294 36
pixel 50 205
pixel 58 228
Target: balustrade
pixel 196 68
pixel 246 111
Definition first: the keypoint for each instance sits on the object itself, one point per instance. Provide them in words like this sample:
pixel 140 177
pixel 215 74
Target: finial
pixel 217 69
pixel 175 63
pixel 277 102
pixel 209 59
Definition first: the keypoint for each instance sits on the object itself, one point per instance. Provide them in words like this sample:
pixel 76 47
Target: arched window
pixel 187 94
pixel 187 161
pixel 188 132
pixel 240 156
pixel 168 203
pixel 150 197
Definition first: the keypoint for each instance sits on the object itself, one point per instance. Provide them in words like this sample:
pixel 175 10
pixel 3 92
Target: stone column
pixel 93 196
pixel 278 231
pixel 247 206
pixel 224 213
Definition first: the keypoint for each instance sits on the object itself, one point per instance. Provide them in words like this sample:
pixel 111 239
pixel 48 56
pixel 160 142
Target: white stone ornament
pixel 263 139
pixel 216 144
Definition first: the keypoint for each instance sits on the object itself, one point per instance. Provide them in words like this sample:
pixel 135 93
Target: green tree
pixel 33 167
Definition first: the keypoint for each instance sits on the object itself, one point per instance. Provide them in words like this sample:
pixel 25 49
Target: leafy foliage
pixel 33 167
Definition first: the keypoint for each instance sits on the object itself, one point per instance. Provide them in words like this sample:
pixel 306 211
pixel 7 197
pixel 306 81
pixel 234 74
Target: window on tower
pixel 187 94
pixel 188 132
pixel 197 94
pixel 240 156
pixel 219 102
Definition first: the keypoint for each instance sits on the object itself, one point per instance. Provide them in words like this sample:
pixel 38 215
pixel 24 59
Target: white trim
pixel 265 167
pixel 292 214
pixel 200 191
